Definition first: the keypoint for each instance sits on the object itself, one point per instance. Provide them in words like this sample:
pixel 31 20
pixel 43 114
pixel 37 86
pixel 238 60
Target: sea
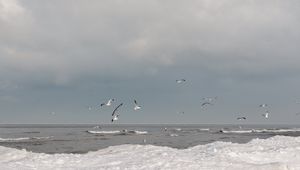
pixel 151 146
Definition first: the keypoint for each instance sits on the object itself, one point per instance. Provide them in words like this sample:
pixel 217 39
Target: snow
pixel 276 153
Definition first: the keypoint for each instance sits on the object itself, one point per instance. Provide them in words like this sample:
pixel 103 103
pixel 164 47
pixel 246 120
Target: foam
pixel 24 139
pixel 276 153
pixel 118 132
pixel 104 132
pixel 261 131
pixel 14 139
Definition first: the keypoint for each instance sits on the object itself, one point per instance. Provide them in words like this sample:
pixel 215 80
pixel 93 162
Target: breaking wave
pixel 261 131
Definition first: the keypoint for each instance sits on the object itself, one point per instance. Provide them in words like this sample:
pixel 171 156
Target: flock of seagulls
pixel 265 115
pixel 207 101
pixel 115 114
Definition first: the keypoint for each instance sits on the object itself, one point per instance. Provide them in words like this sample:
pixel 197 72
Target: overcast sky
pixel 64 55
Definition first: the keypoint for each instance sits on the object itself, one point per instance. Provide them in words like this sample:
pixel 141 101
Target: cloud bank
pixel 63 40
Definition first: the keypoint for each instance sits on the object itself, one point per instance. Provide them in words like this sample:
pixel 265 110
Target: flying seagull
pixel 115 117
pixel 241 118
pixel 206 103
pixel 210 99
pixel 97 127
pixel 180 81
pixel 263 105
pixel 136 106
pixel 89 107
pixel 266 115
pixel 108 103
pixel 116 109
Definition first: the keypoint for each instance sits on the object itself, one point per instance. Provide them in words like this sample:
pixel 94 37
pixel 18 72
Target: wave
pixel 140 132
pixel 275 153
pixel 204 129
pixel 104 132
pixel 14 139
pixel 118 132
pixel 173 135
pixel 261 131
pixel 23 139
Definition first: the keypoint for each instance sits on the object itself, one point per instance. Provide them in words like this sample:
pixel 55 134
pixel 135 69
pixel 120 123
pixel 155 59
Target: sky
pixel 59 57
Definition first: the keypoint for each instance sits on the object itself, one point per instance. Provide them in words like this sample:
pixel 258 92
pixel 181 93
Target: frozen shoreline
pixel 279 152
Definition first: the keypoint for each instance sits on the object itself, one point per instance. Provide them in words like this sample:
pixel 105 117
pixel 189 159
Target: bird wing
pixel 114 112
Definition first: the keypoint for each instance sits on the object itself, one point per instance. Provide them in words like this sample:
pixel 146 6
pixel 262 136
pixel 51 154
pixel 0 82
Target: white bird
pixel 206 103
pixel 89 107
pixel 210 99
pixel 115 117
pixel 136 106
pixel 108 103
pixel 97 127
pixel 180 81
pixel 116 109
pixel 266 115
pixel 263 105
pixel 241 118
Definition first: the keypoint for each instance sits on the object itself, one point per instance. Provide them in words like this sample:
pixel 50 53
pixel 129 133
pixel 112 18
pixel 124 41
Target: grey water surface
pixel 85 138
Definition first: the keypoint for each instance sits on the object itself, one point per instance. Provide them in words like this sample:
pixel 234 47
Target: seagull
pixel 180 81
pixel 89 107
pixel 116 117
pixel 116 109
pixel 206 103
pixel 241 118
pixel 266 115
pixel 210 99
pixel 263 105
pixel 136 106
pixel 97 127
pixel 108 103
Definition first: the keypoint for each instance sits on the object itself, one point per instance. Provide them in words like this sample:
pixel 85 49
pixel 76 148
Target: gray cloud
pixel 67 39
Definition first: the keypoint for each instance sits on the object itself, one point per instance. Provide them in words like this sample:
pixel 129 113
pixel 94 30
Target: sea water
pixel 149 147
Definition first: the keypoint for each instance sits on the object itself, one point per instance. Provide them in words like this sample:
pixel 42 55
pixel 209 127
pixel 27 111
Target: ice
pixel 276 153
